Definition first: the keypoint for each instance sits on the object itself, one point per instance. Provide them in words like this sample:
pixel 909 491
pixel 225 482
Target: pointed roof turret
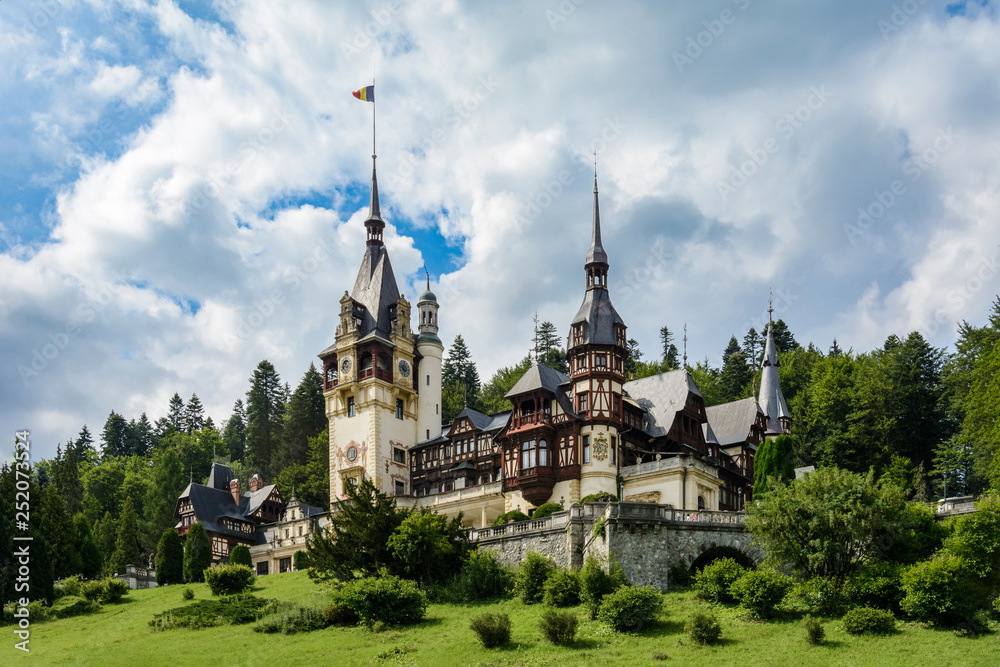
pixel 596 255
pixel 374 224
pixel 772 401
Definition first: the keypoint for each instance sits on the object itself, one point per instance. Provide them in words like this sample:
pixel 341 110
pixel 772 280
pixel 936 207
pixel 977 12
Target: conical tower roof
pixel 772 401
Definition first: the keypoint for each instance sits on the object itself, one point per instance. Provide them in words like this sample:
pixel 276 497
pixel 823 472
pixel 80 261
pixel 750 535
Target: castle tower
pixel 430 352
pixel 369 385
pixel 596 352
pixel 771 400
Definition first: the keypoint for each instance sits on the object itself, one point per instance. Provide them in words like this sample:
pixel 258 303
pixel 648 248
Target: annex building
pixel 564 437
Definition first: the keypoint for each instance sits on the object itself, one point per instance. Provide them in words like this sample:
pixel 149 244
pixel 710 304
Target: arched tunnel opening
pixel 715 553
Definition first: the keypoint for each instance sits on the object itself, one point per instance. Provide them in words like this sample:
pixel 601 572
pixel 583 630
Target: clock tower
pixel 370 374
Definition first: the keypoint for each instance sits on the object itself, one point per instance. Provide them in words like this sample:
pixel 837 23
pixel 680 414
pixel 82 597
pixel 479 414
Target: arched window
pixel 701 503
pixel 543 453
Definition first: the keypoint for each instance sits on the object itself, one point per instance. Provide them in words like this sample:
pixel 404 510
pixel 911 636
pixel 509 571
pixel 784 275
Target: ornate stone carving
pixel 601 447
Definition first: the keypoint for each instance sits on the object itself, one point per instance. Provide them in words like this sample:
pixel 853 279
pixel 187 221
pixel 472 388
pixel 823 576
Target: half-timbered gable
pixel 465 455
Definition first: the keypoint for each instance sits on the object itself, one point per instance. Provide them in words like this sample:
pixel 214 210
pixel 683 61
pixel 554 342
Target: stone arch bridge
pixel 646 539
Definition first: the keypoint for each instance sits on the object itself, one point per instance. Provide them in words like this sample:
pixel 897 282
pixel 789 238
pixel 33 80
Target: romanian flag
pixel 366 94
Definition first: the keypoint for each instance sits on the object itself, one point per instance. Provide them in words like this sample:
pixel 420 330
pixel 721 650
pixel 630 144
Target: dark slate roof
pixel 540 376
pixel 596 254
pixel 220 476
pixel 732 422
pixel 600 316
pixel 709 434
pixel 212 505
pixel 251 501
pixel 440 440
pixel 662 396
pixel 479 420
pixel 376 290
pixel 499 421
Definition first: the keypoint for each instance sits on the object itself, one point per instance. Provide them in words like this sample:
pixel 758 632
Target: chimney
pixel 234 488
pixel 256 483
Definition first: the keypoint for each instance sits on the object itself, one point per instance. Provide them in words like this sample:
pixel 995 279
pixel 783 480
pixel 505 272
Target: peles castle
pixel 564 437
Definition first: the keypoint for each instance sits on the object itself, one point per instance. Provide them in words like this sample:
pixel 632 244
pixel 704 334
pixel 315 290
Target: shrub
pixel 169 558
pixel 68 586
pixel 703 628
pixel 112 590
pixel 599 498
pixel 878 585
pixel 559 627
pixel 821 595
pixel 388 599
pixel 936 591
pixel 71 605
pixel 512 516
pixel 38 612
pixel 562 589
pixel 92 590
pixel 197 553
pixel 492 629
pixel 484 577
pixel 760 591
pixel 188 594
pixel 716 580
pixel 545 510
pixel 230 610
pixel 301 560
pixel 535 570
pixel 869 621
pixel 975 625
pixel 815 633
pixel 630 609
pixel 338 613
pixel 229 579
pixel 240 555
pixel 291 618
pixel 680 575
pixel 596 582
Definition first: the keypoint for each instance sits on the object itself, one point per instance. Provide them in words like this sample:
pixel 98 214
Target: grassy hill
pixel 119 635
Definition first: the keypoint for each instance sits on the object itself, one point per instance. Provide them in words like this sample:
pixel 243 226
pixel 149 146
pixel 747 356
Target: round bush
pixel 188 594
pixel 631 609
pixel 240 555
pixel 715 581
pixel 562 589
pixel 92 590
pixel 338 613
pixel 821 595
pixel 113 590
pixel 386 599
pixel 531 578
pixel 760 591
pixel 559 627
pixel 935 590
pixel 599 498
pixel 301 560
pixel 869 621
pixel 815 633
pixel 492 629
pixel 512 516
pixel 229 579
pixel 878 585
pixel 545 510
pixel 703 628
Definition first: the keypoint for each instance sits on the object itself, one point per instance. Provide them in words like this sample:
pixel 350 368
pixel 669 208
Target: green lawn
pixel 119 635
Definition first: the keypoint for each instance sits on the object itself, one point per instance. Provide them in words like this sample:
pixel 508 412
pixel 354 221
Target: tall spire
pixel 374 224
pixel 771 400
pixel 597 258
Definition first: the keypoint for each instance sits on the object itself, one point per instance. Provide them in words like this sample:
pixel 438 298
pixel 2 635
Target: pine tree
pixel 127 549
pixel 460 381
pixel 83 443
pixel 835 350
pixel 114 435
pixel 167 482
pixel 194 415
pixel 633 355
pixel 105 533
pixel 234 434
pixel 753 347
pixel 140 436
pixel 169 558
pixel 91 560
pixel 671 361
pixel 57 527
pixel 305 419
pixel 197 553
pixel 265 417
pixel 783 338
pixel 175 413
pixel 546 338
pixel 66 477
pixel 736 374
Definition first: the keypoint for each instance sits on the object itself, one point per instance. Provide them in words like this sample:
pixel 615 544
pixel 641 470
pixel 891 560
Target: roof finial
pixel 770 302
pixel 428 278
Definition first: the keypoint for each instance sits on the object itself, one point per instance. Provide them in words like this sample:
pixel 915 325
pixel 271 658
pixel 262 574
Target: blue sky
pixel 183 184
